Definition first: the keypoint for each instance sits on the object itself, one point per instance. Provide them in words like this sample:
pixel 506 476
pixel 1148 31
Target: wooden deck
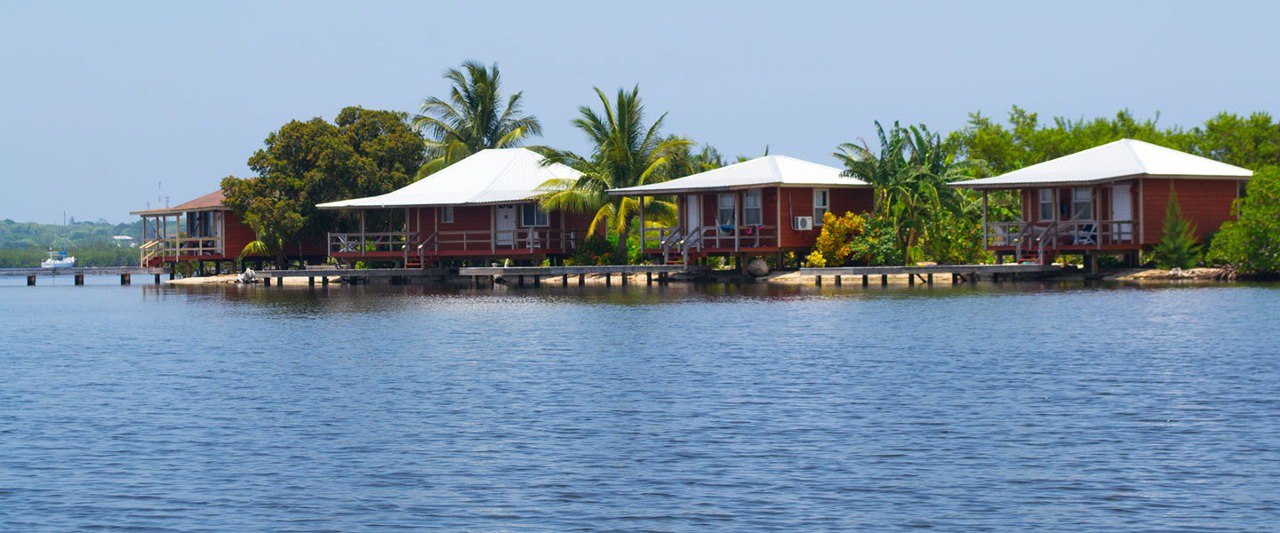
pixel 479 275
pixel 959 273
pixel 78 273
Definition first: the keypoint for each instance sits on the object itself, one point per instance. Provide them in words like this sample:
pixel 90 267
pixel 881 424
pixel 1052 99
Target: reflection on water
pixel 668 407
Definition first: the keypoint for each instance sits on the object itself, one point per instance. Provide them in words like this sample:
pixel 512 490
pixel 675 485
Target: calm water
pixel 678 409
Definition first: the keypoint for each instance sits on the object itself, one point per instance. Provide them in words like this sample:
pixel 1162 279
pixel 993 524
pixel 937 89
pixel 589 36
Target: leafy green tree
pixel 1252 141
pixel 834 245
pixel 1252 242
pixel 362 153
pixel 625 153
pixel 474 118
pixel 1178 247
pixel 910 174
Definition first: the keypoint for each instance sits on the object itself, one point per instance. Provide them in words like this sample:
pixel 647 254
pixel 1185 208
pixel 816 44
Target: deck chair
pixel 1086 235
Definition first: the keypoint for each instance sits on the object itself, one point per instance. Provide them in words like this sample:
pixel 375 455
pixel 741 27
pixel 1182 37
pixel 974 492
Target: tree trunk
pixel 622 240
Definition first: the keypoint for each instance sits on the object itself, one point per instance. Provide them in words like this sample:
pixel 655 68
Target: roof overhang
pixel 659 191
pixel 1078 183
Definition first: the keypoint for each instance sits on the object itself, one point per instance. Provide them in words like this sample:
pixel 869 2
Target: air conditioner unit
pixel 802 223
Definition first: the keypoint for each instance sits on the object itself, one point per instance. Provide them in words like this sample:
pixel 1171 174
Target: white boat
pixel 58 260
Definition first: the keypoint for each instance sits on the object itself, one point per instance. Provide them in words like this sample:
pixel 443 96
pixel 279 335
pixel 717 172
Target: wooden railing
pixel 1026 237
pixel 737 237
pixel 366 243
pixel 166 248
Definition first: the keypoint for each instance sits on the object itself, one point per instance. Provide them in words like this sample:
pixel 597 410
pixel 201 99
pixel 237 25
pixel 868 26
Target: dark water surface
pixel 679 408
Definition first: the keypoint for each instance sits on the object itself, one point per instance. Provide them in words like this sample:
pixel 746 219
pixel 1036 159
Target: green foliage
pixel 255 248
pixel 1252 243
pixel 834 244
pixel 625 152
pixel 39 236
pixel 878 243
pixel 1177 247
pixel 362 153
pixel 911 173
pixel 472 119
pixel 596 250
pixel 96 255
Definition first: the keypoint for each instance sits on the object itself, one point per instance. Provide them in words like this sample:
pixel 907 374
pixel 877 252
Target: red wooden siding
pixel 1206 203
pixel 236 234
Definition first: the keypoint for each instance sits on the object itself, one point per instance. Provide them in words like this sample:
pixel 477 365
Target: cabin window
pixel 533 216
pixel 752 213
pixel 1081 204
pixel 821 204
pixel 446 214
pixel 726 217
pixel 1045 210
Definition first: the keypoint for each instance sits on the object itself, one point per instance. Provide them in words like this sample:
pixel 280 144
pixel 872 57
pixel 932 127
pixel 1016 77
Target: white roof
pixel 763 171
pixel 1120 159
pixel 494 176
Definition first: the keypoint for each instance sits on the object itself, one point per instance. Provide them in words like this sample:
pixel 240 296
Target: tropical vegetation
pixel 362 152
pixel 474 117
pixel 1251 244
pixel 626 152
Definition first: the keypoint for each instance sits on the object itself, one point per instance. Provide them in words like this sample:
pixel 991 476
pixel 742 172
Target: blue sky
pixel 103 101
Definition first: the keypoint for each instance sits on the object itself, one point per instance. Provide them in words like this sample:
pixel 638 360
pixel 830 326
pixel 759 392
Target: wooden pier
pixel 356 275
pixel 925 274
pixel 660 273
pixel 78 273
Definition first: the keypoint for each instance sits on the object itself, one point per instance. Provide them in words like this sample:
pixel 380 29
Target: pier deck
pixel 126 273
pixel 663 273
pixel 959 273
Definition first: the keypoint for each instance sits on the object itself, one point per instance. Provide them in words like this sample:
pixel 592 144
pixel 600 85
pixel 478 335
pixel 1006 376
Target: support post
pixel 520 281
pixel 911 279
pixel 582 279
pixel 608 279
pixel 31 280
pixel 126 279
pixel 623 276
pixel 648 278
pixel 864 280
pixel 930 279
pixel 817 281
pixel 537 280
pixel 279 281
pixel 266 281
pixel 884 279
pixel 324 281
pixel 157 279
pixel 79 279
pixel 564 280
pixel 311 281
pixel 838 281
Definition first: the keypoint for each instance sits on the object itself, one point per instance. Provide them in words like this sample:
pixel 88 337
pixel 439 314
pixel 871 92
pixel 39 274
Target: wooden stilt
pixel 157 279
pixel 519 281
pixel 929 280
pixel 817 281
pixel 311 281
pixel 582 279
pixel 608 280
pixel 537 281
pixel 126 279
pixel 623 276
pixel 838 281
pixel 884 279
pixel 648 278
pixel 31 281
pixel 79 279
pixel 279 281
pixel 564 280
pixel 864 280
pixel 911 280
pixel 324 281
pixel 266 282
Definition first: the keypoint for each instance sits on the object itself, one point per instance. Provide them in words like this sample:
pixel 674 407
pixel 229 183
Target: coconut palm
pixel 473 118
pixel 625 153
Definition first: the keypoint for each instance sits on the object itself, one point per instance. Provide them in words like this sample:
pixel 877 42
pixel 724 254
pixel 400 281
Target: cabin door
pixel 1122 209
pixel 505 228
pixel 693 212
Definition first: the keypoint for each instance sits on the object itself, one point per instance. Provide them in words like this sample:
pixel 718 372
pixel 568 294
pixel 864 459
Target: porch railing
pixel 174 248
pixel 367 243
pixel 1039 237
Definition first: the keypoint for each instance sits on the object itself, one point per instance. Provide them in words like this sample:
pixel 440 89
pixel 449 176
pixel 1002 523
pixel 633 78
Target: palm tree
pixel 625 153
pixel 473 119
pixel 910 174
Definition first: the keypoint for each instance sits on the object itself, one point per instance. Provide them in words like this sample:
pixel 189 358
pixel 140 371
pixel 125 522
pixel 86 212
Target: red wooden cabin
pixel 204 230
pixel 764 206
pixel 1110 199
pixel 483 207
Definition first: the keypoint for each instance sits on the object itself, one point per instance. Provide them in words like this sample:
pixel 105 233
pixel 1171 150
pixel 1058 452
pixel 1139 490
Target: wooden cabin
pixel 202 229
pixel 765 206
pixel 481 208
pixel 1107 200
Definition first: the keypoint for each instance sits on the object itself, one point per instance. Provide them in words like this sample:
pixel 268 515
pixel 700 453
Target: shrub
pixel 878 243
pixel 834 245
pixel 1177 247
pixel 1252 242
